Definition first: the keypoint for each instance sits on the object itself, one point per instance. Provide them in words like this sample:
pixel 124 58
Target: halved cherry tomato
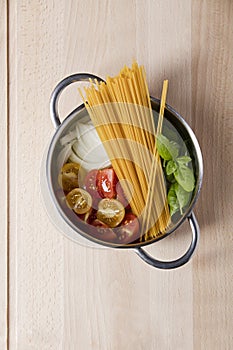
pixel 101 231
pixel 68 176
pixel 79 200
pixel 111 212
pixel 98 223
pixel 90 182
pixel 128 232
pixel 106 183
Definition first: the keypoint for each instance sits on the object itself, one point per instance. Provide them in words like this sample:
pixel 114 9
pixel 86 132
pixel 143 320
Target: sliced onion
pixel 71 136
pixel 64 155
pixel 84 147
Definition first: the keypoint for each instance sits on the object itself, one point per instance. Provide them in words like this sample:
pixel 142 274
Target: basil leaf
pixel 171 167
pixel 184 160
pixel 183 196
pixel 185 178
pixel 178 198
pixel 171 178
pixel 167 150
pixel 172 200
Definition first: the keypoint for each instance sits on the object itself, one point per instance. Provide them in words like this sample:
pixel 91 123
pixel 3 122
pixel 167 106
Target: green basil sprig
pixel 178 198
pixel 168 150
pixel 178 173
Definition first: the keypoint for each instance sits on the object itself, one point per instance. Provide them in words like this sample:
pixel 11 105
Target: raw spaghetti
pixel 121 112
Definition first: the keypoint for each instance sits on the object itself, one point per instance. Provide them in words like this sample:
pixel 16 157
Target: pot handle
pixel 60 87
pixel 166 265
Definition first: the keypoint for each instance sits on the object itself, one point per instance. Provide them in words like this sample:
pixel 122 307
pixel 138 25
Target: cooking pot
pixel 65 220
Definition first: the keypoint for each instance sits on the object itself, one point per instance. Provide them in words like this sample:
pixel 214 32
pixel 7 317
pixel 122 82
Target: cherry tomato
pixel 62 201
pixel 92 216
pixel 128 232
pixel 111 212
pixel 98 223
pixel 121 196
pixel 79 200
pixel 102 232
pixel 106 183
pixel 91 182
pixel 68 177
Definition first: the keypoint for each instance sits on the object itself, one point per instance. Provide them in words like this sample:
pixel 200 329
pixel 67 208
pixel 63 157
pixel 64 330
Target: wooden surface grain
pixel 212 87
pixel 4 177
pixel 66 296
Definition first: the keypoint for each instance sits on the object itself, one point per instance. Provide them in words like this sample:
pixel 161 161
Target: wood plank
pixel 36 278
pixel 12 147
pixel 212 33
pixel 4 180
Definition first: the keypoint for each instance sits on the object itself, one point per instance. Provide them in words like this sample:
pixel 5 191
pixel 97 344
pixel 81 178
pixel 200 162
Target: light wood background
pixel 55 294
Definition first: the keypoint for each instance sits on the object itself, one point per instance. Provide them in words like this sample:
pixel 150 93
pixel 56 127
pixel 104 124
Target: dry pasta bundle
pixel 121 112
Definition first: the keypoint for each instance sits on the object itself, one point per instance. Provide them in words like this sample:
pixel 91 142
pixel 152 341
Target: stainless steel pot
pixel 51 175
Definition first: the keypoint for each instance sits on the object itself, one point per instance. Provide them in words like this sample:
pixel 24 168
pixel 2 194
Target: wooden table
pixel 59 295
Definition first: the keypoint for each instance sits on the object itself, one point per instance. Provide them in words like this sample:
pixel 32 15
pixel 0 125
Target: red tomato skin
pixel 122 198
pixel 129 230
pixel 98 223
pixel 106 183
pixel 92 217
pixel 90 182
pixel 101 231
pixel 90 185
